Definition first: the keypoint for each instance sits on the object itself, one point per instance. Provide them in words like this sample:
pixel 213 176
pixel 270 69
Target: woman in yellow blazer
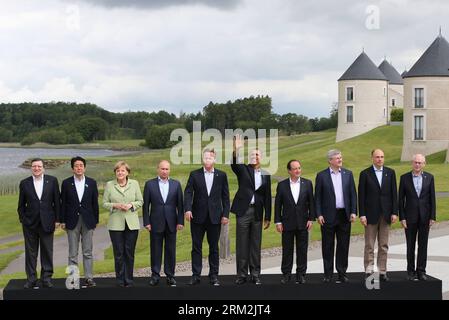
pixel 122 197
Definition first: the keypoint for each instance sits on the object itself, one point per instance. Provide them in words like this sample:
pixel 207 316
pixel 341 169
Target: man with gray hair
pixel 336 209
pixel 417 212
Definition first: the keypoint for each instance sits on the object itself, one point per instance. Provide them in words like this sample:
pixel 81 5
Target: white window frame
pixel 353 94
pixel 424 126
pixel 346 113
pixel 424 97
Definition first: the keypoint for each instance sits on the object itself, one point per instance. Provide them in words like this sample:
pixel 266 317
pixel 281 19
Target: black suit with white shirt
pixel 38 216
pixel 294 215
pixel 208 207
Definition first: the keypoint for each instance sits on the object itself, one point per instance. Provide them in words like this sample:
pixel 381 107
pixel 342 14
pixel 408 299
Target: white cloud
pixel 182 55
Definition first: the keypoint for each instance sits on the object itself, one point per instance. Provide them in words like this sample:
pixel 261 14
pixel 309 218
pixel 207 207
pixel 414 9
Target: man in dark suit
pixel 252 198
pixel 294 210
pixel 378 208
pixel 336 209
pixel 39 209
pixel 417 212
pixel 163 216
pixel 79 215
pixel 206 202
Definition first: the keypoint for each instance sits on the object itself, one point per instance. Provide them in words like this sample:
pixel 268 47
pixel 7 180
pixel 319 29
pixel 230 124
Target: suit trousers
pixel 212 232
pixel 86 235
pixel 35 238
pixel 288 243
pixel 166 240
pixel 248 244
pixel 340 229
pixel 422 231
pixel 124 246
pixel 380 230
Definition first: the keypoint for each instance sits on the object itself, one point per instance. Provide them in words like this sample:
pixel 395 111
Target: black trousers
pixel 212 232
pixel 422 231
pixel 124 246
pixel 288 244
pixel 340 229
pixel 36 238
pixel 158 241
pixel 248 244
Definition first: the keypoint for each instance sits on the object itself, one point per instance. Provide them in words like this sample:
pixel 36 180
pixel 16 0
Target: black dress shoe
pixel 411 276
pixel 384 278
pixel 300 279
pixel 47 284
pixel 129 285
pixel 30 285
pixel 171 281
pixel 422 277
pixel 89 283
pixel 326 279
pixel 256 280
pixel 194 281
pixel 240 280
pixel 154 281
pixel 214 281
pixel 342 279
pixel 285 278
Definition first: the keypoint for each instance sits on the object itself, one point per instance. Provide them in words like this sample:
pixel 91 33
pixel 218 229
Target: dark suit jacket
pixel 325 195
pixel 246 190
pixel 216 205
pixel 156 212
pixel 294 216
pixel 71 207
pixel 410 205
pixel 33 211
pixel 376 201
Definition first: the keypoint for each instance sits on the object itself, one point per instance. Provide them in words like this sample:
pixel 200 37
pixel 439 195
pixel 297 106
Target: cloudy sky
pixel 178 55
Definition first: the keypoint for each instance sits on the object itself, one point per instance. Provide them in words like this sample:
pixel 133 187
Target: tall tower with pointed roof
pixel 362 99
pixel 395 85
pixel 426 102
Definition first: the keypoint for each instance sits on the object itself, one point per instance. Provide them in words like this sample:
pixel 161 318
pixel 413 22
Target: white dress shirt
pixel 295 188
pixel 257 182
pixel 80 186
pixel 38 186
pixel 163 187
pixel 379 173
pixel 338 188
pixel 209 177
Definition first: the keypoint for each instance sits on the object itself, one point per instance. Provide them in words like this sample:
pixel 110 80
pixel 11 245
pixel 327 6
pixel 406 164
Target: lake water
pixel 11 158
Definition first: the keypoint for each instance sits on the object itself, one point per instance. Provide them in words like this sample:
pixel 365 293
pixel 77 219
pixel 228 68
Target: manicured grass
pixel 6 258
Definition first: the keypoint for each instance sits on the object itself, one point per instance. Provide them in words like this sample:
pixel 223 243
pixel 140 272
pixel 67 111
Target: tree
pixel 158 137
pixel 92 128
pixel 5 135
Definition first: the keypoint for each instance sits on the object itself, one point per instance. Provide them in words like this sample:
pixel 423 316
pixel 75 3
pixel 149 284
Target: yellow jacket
pixel 113 193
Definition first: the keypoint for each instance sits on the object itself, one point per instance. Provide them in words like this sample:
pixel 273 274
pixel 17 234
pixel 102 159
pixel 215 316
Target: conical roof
pixel 434 62
pixel 363 69
pixel 390 72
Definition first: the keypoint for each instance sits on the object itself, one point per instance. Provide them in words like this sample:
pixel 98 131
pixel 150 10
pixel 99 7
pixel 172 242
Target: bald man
pixel 163 216
pixel 378 209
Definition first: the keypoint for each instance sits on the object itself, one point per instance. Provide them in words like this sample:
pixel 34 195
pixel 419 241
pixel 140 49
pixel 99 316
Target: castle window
pixel 350 114
pixel 393 102
pixel 349 94
pixel 418 128
pixel 419 97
